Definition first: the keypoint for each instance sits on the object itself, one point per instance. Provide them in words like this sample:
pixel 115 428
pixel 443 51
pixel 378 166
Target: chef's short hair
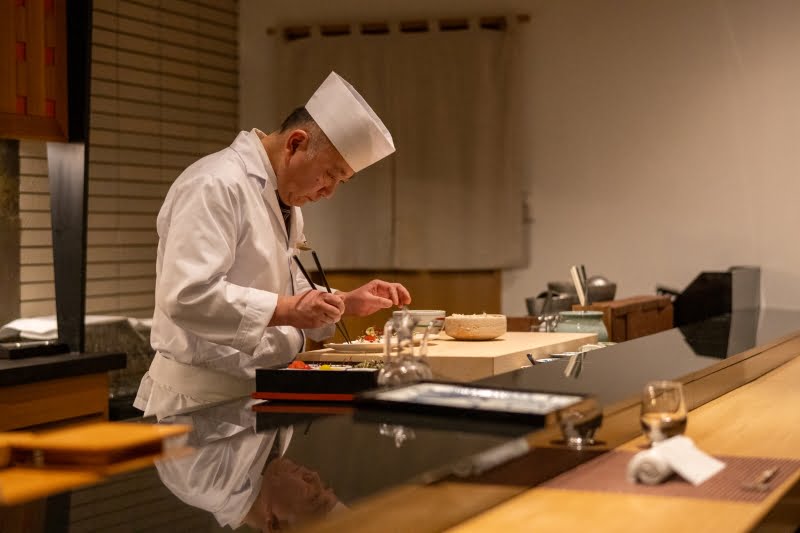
pixel 302 120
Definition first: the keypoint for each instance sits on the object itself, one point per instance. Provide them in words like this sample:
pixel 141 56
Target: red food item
pixel 300 365
pixel 370 338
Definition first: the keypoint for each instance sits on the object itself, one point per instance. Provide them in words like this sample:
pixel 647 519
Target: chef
pixel 228 297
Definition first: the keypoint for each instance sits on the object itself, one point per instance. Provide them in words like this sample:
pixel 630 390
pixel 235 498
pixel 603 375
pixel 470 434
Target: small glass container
pixel 583 322
pixel 403 362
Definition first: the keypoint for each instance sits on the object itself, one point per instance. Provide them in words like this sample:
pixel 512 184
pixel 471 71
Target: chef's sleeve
pixel 193 289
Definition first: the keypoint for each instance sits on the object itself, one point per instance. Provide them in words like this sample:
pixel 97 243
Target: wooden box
pixel 633 317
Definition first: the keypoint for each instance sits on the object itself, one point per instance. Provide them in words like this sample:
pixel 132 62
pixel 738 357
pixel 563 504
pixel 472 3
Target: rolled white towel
pixel 648 467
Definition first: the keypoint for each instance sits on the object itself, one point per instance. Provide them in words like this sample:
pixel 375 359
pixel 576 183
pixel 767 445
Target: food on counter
pixel 364 365
pixel 371 335
pixel 370 364
pixel 475 327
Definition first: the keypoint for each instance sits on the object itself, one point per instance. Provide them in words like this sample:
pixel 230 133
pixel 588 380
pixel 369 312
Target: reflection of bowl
pixel 435 317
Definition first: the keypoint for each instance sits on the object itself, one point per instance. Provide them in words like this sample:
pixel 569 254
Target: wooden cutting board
pixel 470 360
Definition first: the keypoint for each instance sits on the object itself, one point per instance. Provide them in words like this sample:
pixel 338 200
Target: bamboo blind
pixel 164 93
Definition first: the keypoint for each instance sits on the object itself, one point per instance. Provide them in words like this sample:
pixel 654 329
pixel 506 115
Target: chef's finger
pixel 403 295
pixel 334 300
pixel 331 310
pixel 381 302
pixel 393 294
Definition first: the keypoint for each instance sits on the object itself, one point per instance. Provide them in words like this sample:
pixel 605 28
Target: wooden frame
pixel 33 70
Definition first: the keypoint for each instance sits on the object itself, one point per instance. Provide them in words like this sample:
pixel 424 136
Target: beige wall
pixel 663 134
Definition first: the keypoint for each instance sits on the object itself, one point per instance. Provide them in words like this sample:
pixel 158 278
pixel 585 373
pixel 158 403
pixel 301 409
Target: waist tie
pixel 203 384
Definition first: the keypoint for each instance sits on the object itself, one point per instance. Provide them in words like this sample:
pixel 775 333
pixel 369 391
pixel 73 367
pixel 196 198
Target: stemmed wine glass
pixel 663 410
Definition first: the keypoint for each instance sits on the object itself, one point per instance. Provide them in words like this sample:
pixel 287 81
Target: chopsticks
pixel 342 329
pixel 328 287
pixel 578 273
pixel 576 279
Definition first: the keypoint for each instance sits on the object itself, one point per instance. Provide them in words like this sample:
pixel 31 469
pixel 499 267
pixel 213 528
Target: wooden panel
pixel 634 317
pixel 8 63
pixel 44 402
pixel 33 71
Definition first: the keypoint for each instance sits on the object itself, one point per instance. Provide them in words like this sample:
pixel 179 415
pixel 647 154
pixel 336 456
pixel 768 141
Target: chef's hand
pixel 373 297
pixel 310 309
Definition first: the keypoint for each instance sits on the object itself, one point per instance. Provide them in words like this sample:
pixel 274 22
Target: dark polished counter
pixel 615 373
pixel 310 463
pixel 34 369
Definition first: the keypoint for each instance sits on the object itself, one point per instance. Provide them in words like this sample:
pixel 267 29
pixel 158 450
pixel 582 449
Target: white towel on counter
pixel 649 468
pixel 674 455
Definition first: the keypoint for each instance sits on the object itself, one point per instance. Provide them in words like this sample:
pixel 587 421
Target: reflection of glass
pixel 579 423
pixel 404 364
pixel 400 434
pixel 663 410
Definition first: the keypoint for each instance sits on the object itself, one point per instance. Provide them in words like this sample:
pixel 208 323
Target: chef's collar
pixel 256 136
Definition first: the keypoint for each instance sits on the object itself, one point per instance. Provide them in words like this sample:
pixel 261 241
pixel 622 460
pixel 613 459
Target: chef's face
pixel 312 169
pixel 290 494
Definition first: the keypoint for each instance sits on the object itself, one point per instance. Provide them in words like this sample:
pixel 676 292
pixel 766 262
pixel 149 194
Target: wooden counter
pixel 45 390
pixel 745 405
pixel 758 419
pixel 471 360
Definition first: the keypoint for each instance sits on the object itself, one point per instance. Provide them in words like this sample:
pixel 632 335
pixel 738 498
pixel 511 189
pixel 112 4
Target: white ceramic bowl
pixel 425 317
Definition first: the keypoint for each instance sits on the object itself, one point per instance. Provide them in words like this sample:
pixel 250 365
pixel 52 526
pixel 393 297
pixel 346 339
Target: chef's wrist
pixel 345 296
pixel 284 311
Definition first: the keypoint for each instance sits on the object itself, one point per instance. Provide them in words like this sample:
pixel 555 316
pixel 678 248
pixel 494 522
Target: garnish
pixel 371 335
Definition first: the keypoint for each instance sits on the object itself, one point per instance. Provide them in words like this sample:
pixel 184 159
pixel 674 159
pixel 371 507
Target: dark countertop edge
pixel 699 375
pixel 34 369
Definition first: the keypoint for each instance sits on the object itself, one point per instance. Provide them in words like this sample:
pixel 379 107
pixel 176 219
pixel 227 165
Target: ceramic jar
pixel 583 322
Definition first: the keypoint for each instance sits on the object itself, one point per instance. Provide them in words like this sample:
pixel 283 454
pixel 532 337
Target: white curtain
pixel 450 198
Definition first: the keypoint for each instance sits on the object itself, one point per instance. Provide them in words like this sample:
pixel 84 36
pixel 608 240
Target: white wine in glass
pixel 663 410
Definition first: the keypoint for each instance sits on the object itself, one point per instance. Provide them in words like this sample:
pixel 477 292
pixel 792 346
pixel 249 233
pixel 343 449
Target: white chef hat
pixel 350 123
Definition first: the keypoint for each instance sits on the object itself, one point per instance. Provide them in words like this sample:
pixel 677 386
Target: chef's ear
pixel 297 140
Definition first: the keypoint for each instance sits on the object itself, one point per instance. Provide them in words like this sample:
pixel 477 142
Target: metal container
pixel 600 289
pixel 558 302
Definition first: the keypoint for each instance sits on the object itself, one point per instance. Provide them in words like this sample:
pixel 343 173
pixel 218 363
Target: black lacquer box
pixel 324 382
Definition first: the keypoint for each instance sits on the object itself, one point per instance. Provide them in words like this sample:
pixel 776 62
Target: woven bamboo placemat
pixel 607 474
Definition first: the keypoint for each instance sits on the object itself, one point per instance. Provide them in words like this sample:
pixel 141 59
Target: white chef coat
pixel 223 476
pixel 224 256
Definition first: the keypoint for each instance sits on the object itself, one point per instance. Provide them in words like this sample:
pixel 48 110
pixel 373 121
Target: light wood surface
pixel 470 360
pixel 758 419
pixel 56 400
pixel 81 455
